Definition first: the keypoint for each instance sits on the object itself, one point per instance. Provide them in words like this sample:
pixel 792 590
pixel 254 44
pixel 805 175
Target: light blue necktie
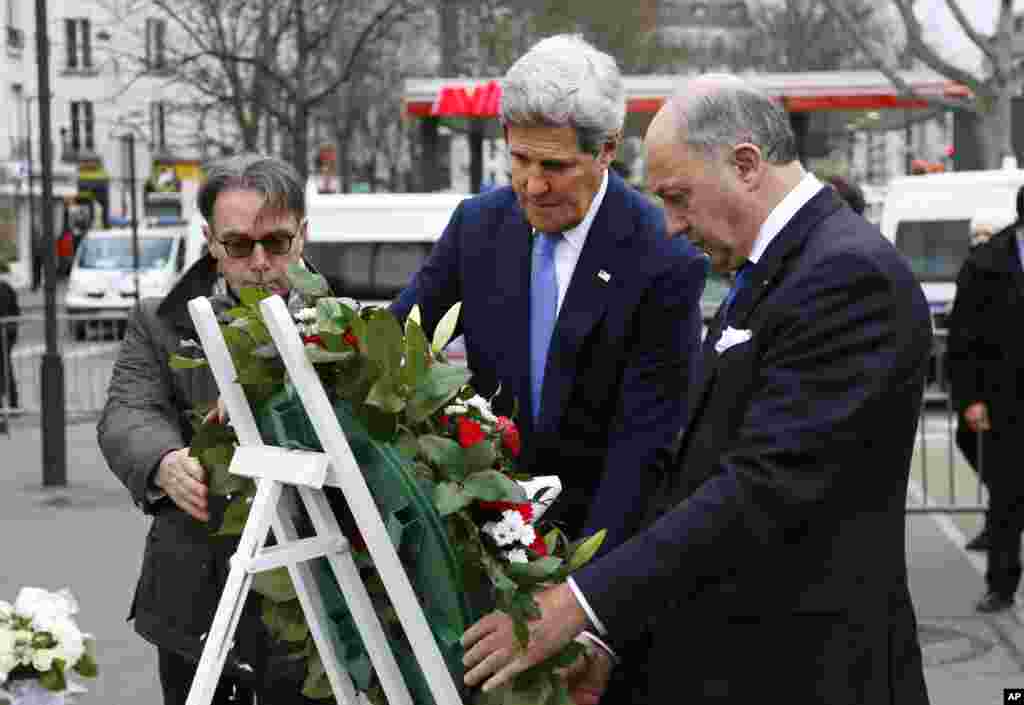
pixel 543 310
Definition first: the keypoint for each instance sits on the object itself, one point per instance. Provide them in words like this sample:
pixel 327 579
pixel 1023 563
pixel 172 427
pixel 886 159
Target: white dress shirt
pixel 568 249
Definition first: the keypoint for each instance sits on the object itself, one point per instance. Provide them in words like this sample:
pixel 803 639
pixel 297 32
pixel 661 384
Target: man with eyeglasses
pixel 254 207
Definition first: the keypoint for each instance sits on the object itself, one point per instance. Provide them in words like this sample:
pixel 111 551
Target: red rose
pixel 470 432
pixel 525 509
pixel 538 546
pixel 509 435
pixel 350 339
pixel 314 339
pixel 443 419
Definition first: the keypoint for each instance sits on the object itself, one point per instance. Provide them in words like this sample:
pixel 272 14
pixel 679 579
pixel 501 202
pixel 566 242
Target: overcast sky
pixel 943 32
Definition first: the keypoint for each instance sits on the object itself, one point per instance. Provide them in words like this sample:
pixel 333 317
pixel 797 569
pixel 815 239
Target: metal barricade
pixel 88 346
pixel 942 479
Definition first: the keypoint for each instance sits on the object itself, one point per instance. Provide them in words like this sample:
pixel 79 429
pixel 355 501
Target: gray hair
pixel 732 112
pixel 563 81
pixel 277 181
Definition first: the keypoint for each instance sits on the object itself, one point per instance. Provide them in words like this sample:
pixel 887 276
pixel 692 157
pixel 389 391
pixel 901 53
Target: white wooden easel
pixel 277 470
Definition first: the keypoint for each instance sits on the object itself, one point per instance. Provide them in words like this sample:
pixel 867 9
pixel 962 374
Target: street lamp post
pixel 31 194
pixel 52 372
pixel 128 167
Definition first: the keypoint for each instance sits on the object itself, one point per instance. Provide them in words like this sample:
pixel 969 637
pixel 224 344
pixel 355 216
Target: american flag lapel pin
pixel 604 276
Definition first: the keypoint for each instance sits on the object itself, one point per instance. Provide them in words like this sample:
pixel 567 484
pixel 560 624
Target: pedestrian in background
pixel 986 359
pixel 850 192
pixel 8 337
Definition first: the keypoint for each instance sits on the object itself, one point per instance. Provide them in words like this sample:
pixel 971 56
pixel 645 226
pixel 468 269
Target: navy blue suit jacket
pixel 615 387
pixel 776 570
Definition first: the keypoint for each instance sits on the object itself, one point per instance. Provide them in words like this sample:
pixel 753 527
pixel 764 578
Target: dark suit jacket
pixel 777 570
pixel 616 382
pixel 986 347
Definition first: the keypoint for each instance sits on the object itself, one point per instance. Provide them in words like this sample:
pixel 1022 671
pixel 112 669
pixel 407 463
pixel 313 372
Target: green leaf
pixel 251 296
pixel 417 354
pixel 318 355
pixel 449 497
pixel 310 284
pixel 496 572
pixel 538 570
pixel 316 684
pixel 480 456
pixel 215 461
pixel 446 327
pixel 551 540
pixel 444 454
pixel 586 550
pixel 408 445
pixel 568 655
pixel 274 584
pixel 235 516
pixel 54 678
pixel 384 396
pixel 435 389
pixel 180 362
pixel 285 620
pixel 384 342
pixel 86 666
pixel 492 486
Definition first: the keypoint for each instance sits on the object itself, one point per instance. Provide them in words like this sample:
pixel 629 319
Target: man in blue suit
pixel 577 309
pixel 773 568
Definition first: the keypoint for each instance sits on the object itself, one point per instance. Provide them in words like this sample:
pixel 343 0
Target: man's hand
pixel 587 679
pixel 184 481
pixel 976 416
pixel 493 652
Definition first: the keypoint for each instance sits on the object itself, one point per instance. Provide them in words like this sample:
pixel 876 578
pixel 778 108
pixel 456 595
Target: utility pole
pixel 128 167
pixel 52 372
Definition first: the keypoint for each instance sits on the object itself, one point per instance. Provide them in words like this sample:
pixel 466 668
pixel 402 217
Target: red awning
pixel 458 101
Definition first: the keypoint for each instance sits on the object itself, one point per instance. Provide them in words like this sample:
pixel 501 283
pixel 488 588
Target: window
pixel 935 248
pixel 78 40
pixel 156 57
pixel 82 126
pixel 15 34
pixel 158 125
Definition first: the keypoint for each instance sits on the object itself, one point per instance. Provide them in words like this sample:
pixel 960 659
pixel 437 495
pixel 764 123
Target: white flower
pixel 527 535
pixel 517 555
pixel 42 659
pixel 6 610
pixel 456 409
pixel 483 406
pixel 306 314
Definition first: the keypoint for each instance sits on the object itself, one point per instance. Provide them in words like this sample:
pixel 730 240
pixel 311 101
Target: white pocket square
pixel 731 336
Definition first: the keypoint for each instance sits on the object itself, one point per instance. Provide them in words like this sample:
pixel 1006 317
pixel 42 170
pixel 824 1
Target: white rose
pixel 42 660
pixel 6 642
pixel 6 610
pixel 30 600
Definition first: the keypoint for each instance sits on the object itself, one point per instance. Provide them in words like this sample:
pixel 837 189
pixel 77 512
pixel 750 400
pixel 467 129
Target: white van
pixel 371 244
pixel 102 278
pixel 929 217
pixel 368 244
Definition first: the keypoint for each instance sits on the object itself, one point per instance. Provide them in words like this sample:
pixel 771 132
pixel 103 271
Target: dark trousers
pixel 1004 521
pixel 176 674
pixel 8 385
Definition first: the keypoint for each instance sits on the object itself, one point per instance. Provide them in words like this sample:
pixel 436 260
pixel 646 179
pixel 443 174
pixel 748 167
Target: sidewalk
pixel 90 537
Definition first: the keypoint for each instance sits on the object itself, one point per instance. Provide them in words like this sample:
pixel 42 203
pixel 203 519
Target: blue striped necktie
pixel 543 310
pixel 742 274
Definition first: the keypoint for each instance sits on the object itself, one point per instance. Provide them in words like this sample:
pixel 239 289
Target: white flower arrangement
pixel 39 640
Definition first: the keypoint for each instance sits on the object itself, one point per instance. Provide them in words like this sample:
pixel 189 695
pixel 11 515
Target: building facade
pixel 107 94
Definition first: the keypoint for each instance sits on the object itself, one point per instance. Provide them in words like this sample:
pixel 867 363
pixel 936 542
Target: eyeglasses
pixel 276 244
